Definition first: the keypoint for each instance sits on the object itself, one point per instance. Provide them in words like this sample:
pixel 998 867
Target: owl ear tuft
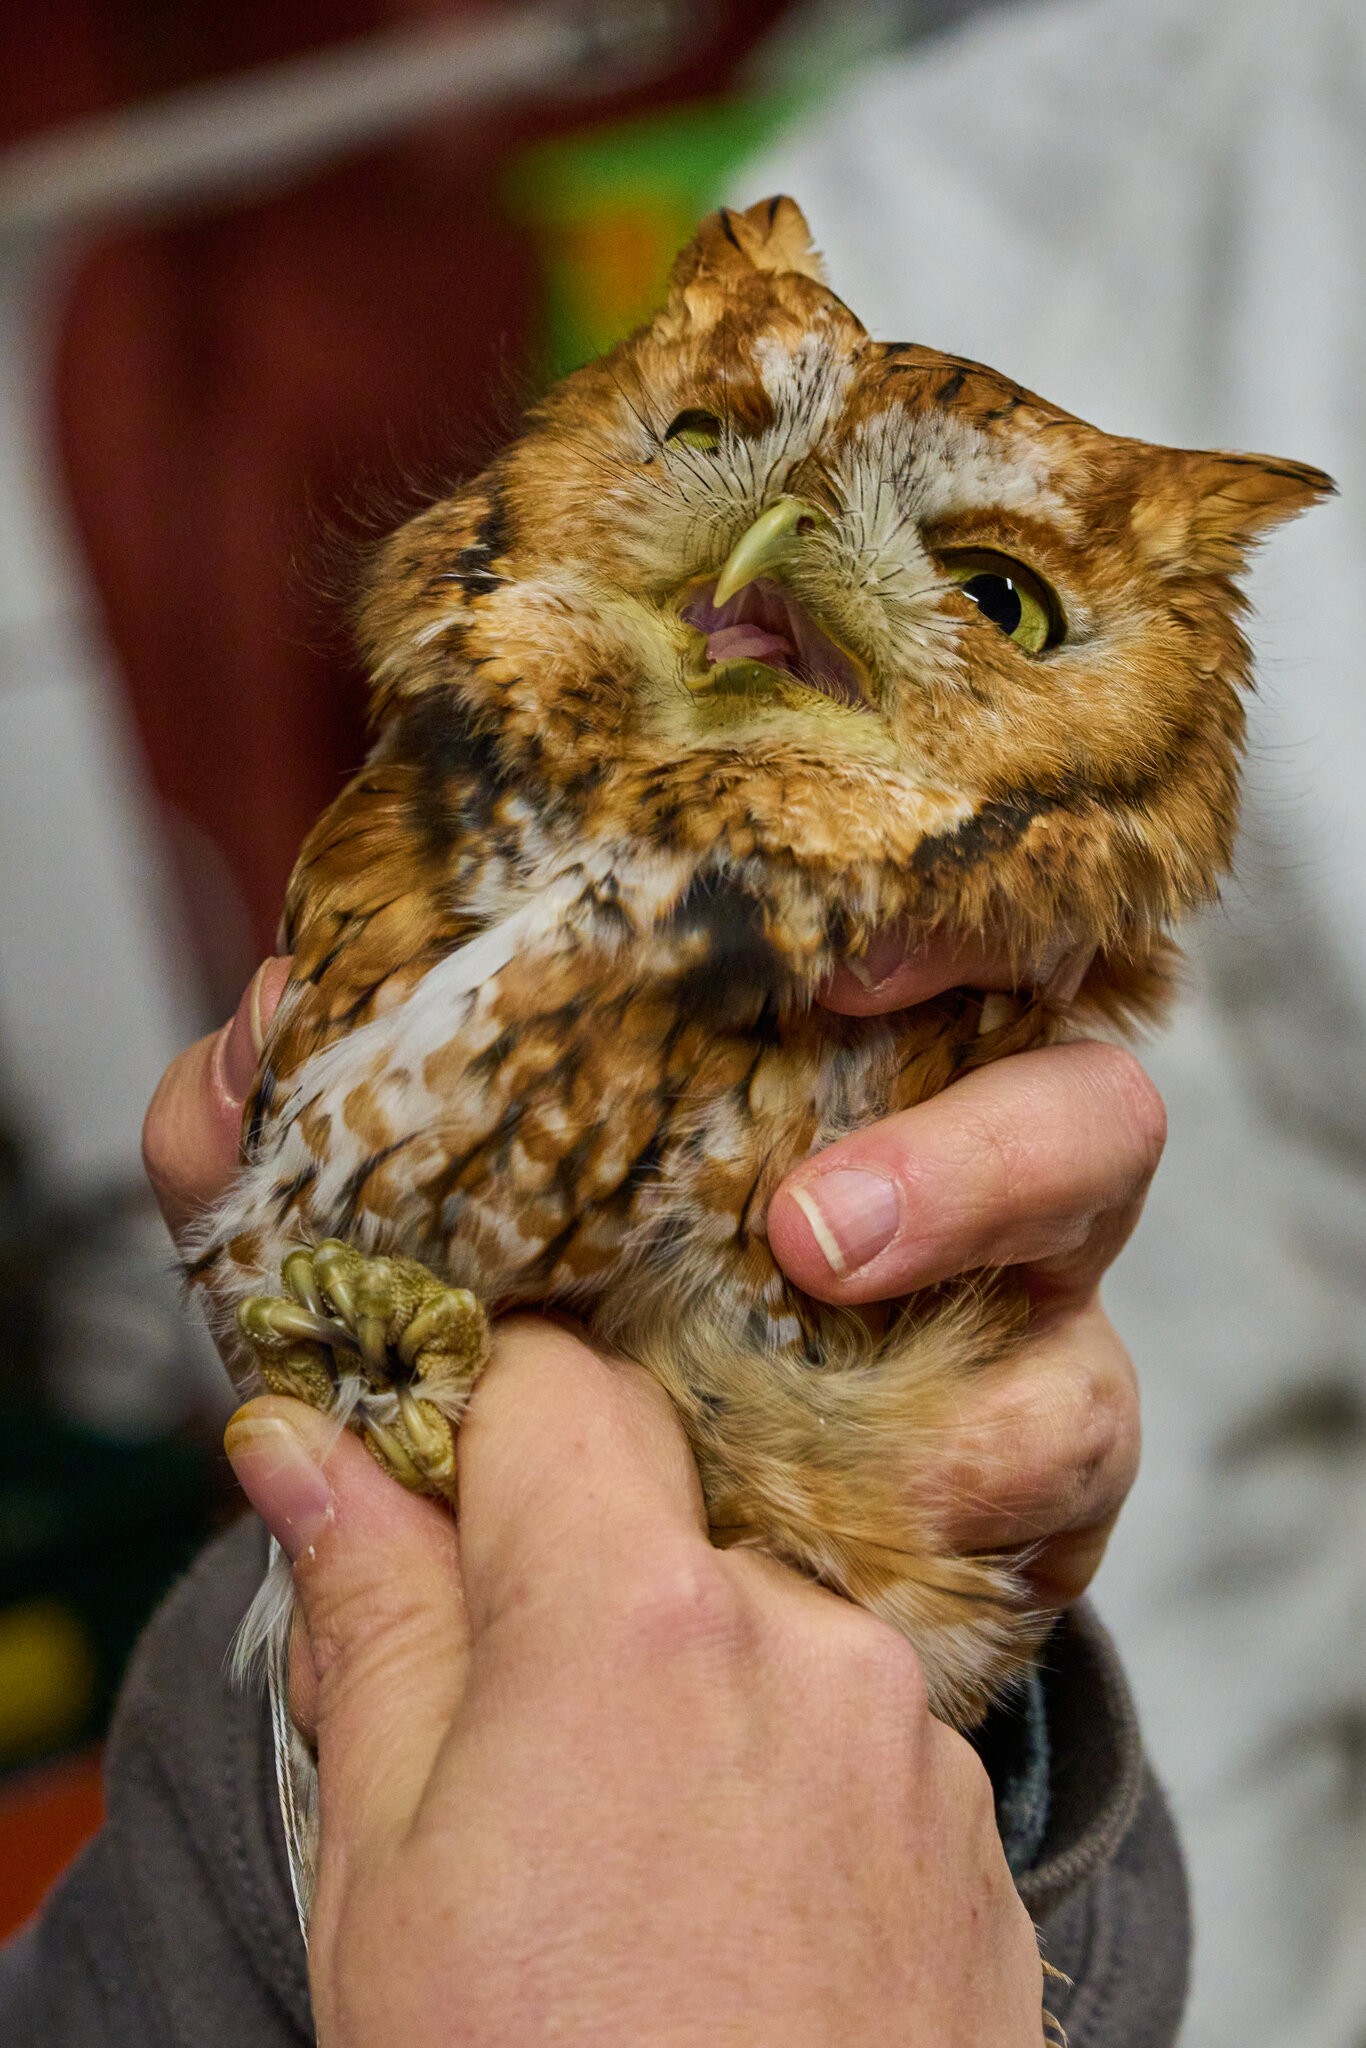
pixel 1206 509
pixel 771 236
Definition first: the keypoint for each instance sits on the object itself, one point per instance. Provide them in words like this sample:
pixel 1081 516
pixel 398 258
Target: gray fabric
pixel 175 1929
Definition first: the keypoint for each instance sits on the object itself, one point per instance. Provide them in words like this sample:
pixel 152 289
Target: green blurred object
pixel 610 209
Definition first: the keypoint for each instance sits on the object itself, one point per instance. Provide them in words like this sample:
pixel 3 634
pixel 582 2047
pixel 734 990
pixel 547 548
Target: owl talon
pixel 416 1345
pixel 297 1274
pixel 272 1323
pixel 417 1447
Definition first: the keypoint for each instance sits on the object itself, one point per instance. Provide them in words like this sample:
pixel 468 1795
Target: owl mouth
pixel 764 628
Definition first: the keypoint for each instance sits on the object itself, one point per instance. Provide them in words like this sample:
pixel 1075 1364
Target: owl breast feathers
pixel 763 637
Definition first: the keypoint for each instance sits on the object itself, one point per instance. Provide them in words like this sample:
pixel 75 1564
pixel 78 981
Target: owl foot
pixel 382 1338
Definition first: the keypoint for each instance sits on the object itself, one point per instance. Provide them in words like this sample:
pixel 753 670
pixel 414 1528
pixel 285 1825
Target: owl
pixel 762 638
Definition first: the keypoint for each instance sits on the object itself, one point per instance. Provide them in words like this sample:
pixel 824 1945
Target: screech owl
pixel 762 638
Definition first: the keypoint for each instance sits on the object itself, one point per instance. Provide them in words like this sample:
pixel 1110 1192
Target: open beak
pixel 769 543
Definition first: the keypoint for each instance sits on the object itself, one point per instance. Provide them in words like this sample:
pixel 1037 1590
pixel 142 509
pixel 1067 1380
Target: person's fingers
pixel 898 970
pixel 1042 1159
pixel 572 1468
pixel 1041 1453
pixel 193 1127
pixel 376 1571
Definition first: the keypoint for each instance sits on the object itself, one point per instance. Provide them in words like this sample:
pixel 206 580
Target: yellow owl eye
pixel 1026 610
pixel 696 430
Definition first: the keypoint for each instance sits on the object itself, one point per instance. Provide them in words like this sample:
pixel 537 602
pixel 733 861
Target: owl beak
pixel 769 543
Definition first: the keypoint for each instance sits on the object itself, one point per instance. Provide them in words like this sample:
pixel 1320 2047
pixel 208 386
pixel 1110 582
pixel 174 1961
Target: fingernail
pixel 853 1216
pixel 280 1476
pixel 238 1051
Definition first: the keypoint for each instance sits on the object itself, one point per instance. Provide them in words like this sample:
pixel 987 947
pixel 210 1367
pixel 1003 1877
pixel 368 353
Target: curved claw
pixel 333 1262
pixel 288 1322
pixel 297 1274
pixel 393 1453
pixel 430 1436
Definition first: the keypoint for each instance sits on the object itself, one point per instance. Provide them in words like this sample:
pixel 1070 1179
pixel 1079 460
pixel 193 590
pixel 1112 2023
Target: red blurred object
pixel 46 1816
pixel 236 382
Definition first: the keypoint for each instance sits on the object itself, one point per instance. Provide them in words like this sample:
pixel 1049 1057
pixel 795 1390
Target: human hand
pixel 585 1778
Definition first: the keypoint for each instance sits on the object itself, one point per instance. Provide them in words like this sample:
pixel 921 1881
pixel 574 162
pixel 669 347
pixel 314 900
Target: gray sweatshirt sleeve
pixel 176 1928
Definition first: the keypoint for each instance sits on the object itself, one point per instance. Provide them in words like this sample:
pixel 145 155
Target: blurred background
pixel 271 277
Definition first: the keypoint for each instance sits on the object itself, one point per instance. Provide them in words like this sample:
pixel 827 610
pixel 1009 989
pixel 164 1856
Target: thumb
pixel 376 1572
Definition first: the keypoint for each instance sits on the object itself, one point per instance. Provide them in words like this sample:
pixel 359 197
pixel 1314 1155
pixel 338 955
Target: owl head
pixel 864 630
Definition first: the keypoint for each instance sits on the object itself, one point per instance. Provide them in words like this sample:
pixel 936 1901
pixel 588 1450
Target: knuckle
pixel 1085 1440
pixel 686 1606
pixel 1105 1418
pixel 1104 1437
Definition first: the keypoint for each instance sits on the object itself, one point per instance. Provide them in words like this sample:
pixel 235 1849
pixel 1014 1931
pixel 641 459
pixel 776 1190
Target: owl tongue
pixel 764 622
pixel 746 643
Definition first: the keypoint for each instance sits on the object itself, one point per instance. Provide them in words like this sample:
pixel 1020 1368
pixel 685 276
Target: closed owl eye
pixel 695 430
pixel 1013 597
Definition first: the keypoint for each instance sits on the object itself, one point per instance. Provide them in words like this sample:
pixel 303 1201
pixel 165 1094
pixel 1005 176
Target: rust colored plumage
pixel 550 1030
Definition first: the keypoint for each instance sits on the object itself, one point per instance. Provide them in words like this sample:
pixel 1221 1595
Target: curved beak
pixel 769 542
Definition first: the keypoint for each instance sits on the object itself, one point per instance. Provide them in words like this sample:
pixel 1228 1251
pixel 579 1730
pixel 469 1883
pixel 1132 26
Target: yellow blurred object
pixel 48 1675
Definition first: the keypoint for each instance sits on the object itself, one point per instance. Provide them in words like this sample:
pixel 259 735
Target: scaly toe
pixel 301 1375
pixel 291 1346
pixel 447 1342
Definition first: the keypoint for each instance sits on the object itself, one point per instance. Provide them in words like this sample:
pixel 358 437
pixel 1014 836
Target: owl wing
pixel 371 907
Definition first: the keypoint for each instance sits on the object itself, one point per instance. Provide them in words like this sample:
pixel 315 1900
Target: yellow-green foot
pixel 385 1334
